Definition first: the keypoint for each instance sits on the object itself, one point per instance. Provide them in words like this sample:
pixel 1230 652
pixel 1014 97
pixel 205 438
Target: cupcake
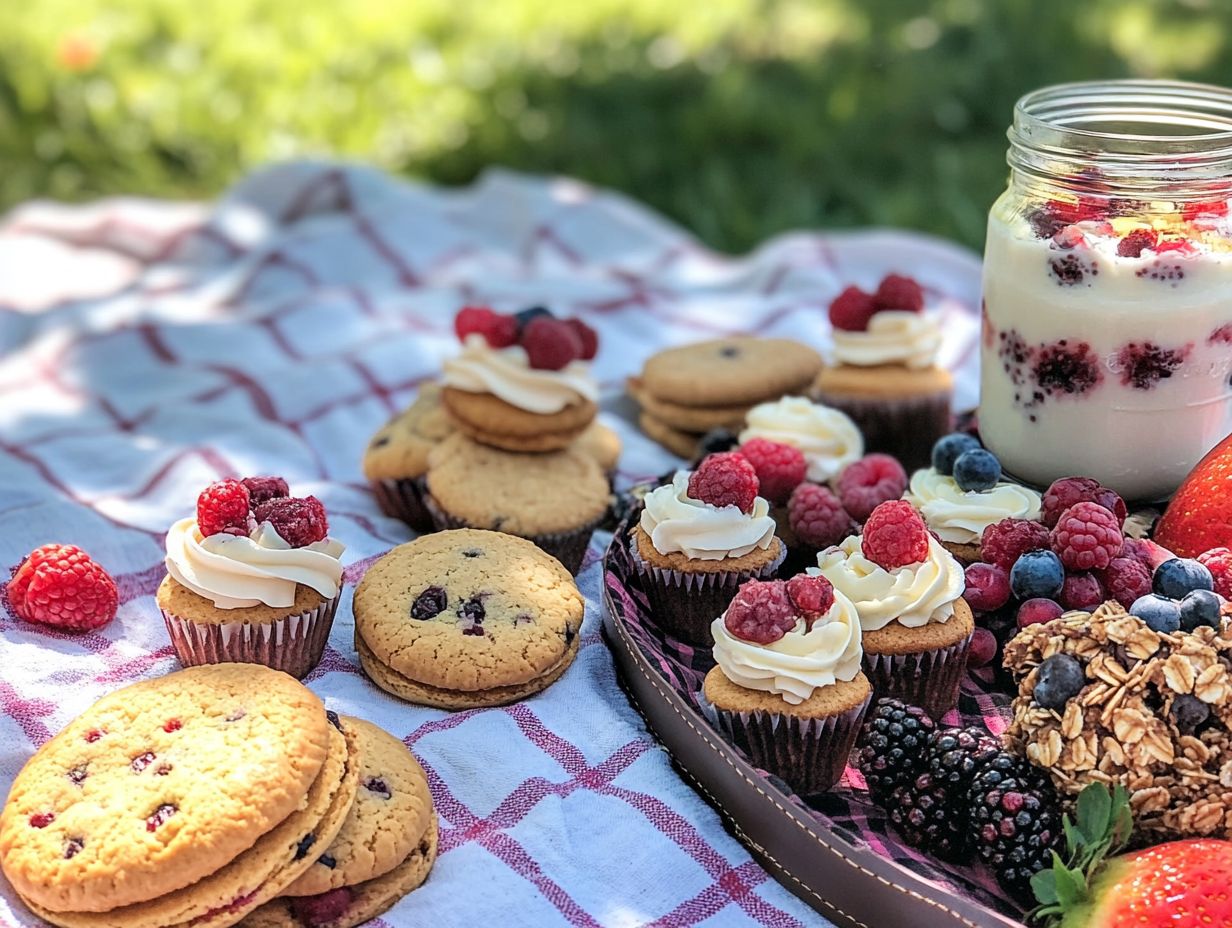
pixel 254 578
pixel 907 590
pixel 828 438
pixel 603 445
pixel 963 493
pixel 787 688
pixel 555 499
pixel 521 382
pixel 397 457
pixel 698 539
pixel 883 369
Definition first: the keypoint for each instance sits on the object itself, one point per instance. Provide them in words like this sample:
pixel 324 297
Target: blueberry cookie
pixel 466 618
pixel 728 372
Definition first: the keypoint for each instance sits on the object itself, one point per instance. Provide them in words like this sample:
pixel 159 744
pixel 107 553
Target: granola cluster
pixel 1122 727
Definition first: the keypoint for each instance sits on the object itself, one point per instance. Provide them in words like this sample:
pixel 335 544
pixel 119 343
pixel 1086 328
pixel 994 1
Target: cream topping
pixel 960 516
pixel 677 522
pixel 506 373
pixel 894 336
pixel 234 571
pixel 827 438
pixel 913 595
pixel 800 662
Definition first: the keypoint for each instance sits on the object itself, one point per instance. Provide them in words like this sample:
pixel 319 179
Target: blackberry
pixel 952 758
pixel 1015 822
pixel 892 746
pixel 931 815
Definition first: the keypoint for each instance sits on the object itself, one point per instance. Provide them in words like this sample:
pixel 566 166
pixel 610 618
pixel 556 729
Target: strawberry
pixel 1200 515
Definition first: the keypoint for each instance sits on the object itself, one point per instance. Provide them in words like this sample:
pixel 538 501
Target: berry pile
pixel 60 586
pixel 550 343
pixel 821 516
pixel 852 309
pixel 763 611
pixel 238 507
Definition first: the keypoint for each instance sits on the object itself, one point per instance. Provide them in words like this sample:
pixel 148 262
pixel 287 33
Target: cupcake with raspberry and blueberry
pixel 908 592
pixel 254 578
pixel 700 537
pixel 521 382
pixel 883 370
pixel 963 493
pixel 786 687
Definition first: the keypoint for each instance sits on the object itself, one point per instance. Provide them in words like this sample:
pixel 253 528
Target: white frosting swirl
pixel 798 663
pixel 913 595
pixel 894 336
pixel 506 373
pixel 828 439
pixel 677 522
pixel 960 516
pixel 234 571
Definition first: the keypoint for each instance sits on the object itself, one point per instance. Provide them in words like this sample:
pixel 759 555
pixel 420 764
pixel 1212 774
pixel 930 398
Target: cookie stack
pixel 688 391
pixel 466 618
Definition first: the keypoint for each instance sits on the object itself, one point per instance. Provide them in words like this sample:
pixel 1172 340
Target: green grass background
pixel 739 118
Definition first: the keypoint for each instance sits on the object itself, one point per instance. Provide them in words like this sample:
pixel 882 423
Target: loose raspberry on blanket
pixel 1219 562
pixel 224 508
pixel 550 344
pixel 62 555
pixel 727 479
pixel 497 329
pixel 869 482
pixel 298 522
pixel 1004 542
pixel 852 309
pixel 816 516
pixel 261 489
pixel 898 291
pixel 812 596
pixel 780 468
pixel 761 612
pixel 74 594
pixel 895 535
pixel 1087 537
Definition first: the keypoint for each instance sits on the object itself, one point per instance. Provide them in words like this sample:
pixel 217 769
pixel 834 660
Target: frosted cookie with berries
pixel 396 458
pixel 521 382
pixel 787 687
pixel 908 592
pixel 882 369
pixel 254 578
pixel 963 493
pixel 698 538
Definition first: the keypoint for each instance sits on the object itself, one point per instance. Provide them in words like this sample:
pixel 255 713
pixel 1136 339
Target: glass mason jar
pixel 1107 316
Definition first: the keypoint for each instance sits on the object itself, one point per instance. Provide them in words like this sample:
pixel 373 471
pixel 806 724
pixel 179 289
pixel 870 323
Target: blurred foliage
pixel 739 118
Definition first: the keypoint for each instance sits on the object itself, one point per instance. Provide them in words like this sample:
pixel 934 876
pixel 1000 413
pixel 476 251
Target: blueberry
pixel 1059 680
pixel 1158 612
pixel 472 609
pixel 1201 607
pixel 977 470
pixel 429 604
pixel 716 441
pixel 534 312
pixel 1037 574
pixel 305 843
pixel 1188 712
pixel 1178 576
pixel 948 448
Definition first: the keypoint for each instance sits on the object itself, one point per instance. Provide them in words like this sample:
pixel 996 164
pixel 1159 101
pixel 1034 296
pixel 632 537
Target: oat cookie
pixel 730 371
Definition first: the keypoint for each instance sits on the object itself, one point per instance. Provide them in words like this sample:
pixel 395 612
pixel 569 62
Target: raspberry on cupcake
pixel 908 592
pixel 787 687
pixel 826 438
pixel 699 538
pixel 254 577
pixel 521 382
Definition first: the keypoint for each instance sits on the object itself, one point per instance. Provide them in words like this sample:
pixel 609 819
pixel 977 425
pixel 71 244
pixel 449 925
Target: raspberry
pixel 497 329
pixel 1219 562
pixel 761 612
pixel 1132 245
pixel 899 292
pixel 851 310
pixel 1082 591
pixel 1191 211
pixel 812 596
pixel 869 482
pixel 1144 365
pixel 64 555
pixel 988 587
pixel 323 908
pixel 1125 579
pixel 1035 611
pixel 1139 549
pixel 895 535
pixel 1070 490
pixel 298 522
pixel 1004 542
pixel 72 593
pixel 587 336
pixel 550 344
pixel 224 508
pixel 816 517
pixel 726 479
pixel 1087 537
pixel 261 489
pixel 780 468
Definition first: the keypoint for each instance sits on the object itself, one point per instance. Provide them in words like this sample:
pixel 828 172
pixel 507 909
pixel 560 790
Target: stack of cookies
pixel 465 618
pixel 688 391
pixel 191 799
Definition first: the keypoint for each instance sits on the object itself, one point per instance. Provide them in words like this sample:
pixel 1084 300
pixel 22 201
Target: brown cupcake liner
pixel 404 499
pixel 810 754
pixel 905 427
pixel 928 679
pixel 293 644
pixel 685 604
pixel 567 547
